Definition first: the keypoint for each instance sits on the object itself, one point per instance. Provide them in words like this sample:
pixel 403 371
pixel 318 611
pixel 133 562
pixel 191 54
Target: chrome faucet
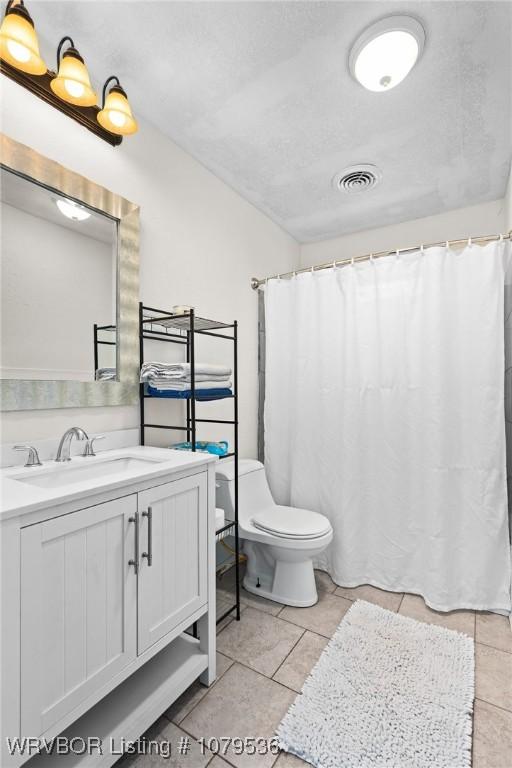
pixel 65 443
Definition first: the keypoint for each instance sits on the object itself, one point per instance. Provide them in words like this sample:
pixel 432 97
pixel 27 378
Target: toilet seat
pixel 292 523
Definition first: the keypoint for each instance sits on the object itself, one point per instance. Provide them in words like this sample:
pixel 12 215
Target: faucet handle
pixel 33 456
pixel 89 449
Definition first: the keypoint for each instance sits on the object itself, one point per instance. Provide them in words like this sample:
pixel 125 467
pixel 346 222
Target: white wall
pixel 484 219
pixel 508 203
pixel 200 244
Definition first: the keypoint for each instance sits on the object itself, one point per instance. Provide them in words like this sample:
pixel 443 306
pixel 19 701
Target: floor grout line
pixel 290 651
pixel 243 664
pixel 492 704
pixel 494 647
pixel 208 689
pixel 235 661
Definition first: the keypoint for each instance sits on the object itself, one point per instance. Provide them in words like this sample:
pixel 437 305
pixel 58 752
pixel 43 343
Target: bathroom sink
pixel 59 476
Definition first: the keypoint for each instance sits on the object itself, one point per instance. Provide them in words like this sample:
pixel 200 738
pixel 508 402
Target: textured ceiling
pixel 260 93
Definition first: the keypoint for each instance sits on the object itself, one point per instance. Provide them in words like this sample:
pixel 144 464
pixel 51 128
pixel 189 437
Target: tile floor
pixel 264 659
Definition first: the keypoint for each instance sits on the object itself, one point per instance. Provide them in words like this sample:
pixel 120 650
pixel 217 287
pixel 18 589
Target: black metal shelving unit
pixel 160 325
pixel 98 341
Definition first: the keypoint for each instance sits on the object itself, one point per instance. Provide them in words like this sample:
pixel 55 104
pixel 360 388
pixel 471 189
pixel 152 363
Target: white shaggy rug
pixel 387 691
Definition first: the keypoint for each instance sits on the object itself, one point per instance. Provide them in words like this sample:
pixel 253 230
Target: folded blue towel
pixel 201 394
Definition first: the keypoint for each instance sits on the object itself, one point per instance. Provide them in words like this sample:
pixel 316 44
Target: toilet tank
pixel 253 491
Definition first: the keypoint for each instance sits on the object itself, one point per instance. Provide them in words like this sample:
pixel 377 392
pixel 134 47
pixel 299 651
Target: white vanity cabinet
pixel 105 593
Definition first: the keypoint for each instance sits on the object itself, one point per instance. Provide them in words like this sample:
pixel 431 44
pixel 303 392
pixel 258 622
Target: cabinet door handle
pixel 135 562
pixel 149 553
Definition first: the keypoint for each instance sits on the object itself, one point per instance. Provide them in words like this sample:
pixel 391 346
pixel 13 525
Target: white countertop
pixel 19 497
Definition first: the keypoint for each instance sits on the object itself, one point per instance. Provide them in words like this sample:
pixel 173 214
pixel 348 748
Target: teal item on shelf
pixel 219 449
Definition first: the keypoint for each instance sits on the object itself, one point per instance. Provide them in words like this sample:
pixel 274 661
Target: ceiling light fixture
pixel 18 40
pixel 72 210
pixel 384 54
pixel 72 82
pixel 116 115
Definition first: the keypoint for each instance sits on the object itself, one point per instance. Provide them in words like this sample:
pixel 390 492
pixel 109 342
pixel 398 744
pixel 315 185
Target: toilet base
pixel 269 595
pixel 284 579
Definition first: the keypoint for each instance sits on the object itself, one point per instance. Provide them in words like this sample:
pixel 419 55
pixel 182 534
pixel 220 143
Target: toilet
pixel 280 542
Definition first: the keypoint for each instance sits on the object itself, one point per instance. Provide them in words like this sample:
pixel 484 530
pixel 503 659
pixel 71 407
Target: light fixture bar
pixel 39 85
pixel 69 89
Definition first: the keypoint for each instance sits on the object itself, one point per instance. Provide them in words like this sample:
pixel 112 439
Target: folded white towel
pixel 182 370
pixel 106 374
pixel 183 386
pixel 172 377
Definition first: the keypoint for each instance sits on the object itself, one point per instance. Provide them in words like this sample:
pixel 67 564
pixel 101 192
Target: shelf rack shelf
pixel 160 325
pixel 102 342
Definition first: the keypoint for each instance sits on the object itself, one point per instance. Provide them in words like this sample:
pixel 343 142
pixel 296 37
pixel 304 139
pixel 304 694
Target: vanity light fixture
pixel 69 89
pixel 72 82
pixel 72 210
pixel 18 40
pixel 116 115
pixel 384 54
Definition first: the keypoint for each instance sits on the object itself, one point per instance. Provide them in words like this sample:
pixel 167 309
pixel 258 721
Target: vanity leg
pixel 207 624
pixel 207 630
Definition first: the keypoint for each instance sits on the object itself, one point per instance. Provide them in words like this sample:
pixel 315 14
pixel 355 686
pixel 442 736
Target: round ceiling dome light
pixel 384 54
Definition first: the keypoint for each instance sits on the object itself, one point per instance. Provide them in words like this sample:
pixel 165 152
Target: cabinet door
pixel 175 584
pixel 78 609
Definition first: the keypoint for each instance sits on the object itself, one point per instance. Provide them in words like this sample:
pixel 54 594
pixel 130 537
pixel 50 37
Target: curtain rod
pixel 255 283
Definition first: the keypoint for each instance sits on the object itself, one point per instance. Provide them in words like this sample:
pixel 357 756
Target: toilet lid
pixel 292 523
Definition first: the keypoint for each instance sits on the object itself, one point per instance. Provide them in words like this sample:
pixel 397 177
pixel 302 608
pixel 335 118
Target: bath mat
pixel 387 692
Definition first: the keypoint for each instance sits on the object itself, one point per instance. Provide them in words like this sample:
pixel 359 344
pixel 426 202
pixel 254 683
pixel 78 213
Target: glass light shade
pixel 19 46
pixel 116 116
pixel 386 52
pixel 72 83
pixel 386 61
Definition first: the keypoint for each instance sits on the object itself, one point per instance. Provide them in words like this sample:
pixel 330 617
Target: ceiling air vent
pixel 357 178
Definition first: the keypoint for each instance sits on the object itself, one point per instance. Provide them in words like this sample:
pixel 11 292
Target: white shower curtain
pixel 384 410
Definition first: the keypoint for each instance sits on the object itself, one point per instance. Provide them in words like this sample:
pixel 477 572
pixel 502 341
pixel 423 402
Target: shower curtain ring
pixel 447 245
pixel 397 254
pixel 352 261
pixel 422 250
pixel 469 242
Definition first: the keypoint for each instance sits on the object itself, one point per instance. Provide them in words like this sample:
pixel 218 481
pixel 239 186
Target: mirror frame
pixel 25 394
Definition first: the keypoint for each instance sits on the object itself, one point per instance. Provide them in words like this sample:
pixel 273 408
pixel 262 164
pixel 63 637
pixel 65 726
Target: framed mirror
pixel 69 287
